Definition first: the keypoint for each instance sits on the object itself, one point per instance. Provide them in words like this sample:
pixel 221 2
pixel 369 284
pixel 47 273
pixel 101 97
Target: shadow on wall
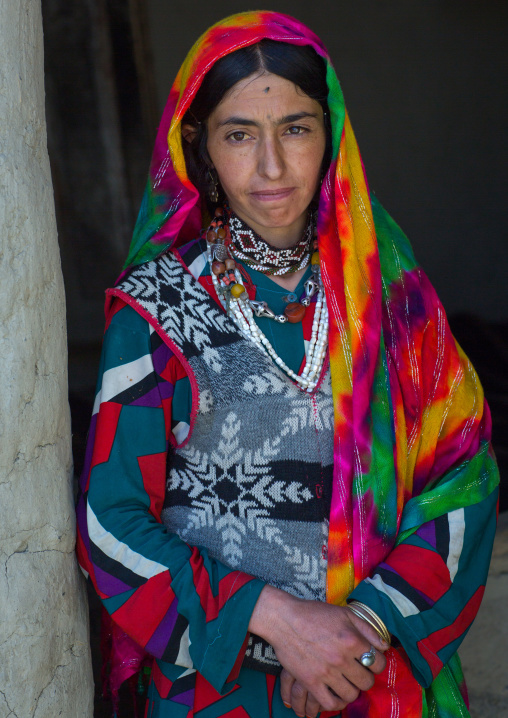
pixel 426 85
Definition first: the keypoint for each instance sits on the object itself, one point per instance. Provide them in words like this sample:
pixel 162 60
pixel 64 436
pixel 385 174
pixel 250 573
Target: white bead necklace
pixel 241 312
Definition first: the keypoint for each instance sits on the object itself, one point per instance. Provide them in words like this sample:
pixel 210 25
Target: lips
pixel 270 195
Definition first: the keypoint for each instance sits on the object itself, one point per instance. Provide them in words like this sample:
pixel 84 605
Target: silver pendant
pixel 219 252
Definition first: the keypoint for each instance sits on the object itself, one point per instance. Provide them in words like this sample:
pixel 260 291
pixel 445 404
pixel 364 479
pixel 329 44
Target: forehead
pixel 263 92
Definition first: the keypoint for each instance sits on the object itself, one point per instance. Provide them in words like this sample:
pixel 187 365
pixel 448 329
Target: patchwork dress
pixel 209 474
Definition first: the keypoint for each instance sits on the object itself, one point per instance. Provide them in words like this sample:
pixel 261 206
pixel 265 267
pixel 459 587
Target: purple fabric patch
pixel 108 584
pixel 427 532
pixel 187 698
pixel 160 357
pixel 160 637
pixel 151 398
pixel 187 247
pixel 166 389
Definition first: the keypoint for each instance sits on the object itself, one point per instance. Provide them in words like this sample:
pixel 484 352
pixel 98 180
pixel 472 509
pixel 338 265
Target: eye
pixel 295 130
pixel 238 136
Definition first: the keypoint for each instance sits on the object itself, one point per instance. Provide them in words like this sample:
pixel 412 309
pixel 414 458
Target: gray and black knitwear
pixel 252 482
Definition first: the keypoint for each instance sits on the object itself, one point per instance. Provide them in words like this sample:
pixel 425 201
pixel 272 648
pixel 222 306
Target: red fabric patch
pixel 207 283
pixel 166 408
pixel 107 421
pixel 151 601
pixel 270 687
pixel 205 694
pixel 237 713
pixel 173 370
pixel 113 309
pixel 153 471
pixel 394 693
pixel 439 639
pixel 239 660
pixel 228 586
pixel 421 568
pixel 161 682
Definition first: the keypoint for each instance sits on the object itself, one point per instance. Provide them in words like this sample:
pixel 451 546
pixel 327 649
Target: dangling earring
pixel 214 181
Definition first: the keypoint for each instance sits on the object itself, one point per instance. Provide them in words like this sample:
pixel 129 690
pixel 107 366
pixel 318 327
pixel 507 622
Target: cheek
pixel 232 170
pixel 309 171
pixel 308 161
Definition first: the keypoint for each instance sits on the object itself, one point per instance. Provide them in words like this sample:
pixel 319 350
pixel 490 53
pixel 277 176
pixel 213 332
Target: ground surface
pixel 484 652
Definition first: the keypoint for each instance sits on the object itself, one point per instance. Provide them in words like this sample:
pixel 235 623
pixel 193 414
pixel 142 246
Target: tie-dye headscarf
pixel 411 427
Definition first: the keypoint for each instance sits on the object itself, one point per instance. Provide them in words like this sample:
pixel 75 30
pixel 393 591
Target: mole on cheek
pixel 267 89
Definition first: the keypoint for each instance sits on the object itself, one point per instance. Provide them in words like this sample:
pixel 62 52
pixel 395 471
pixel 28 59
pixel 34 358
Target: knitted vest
pixel 251 484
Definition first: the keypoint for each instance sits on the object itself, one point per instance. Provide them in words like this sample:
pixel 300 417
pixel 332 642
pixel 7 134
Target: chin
pixel 278 216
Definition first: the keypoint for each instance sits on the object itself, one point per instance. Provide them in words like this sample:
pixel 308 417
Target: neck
pixel 279 237
pixel 289 281
pixel 274 259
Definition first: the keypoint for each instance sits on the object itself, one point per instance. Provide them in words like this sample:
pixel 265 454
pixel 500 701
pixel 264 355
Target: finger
pixel 363 677
pixel 286 683
pixel 312 707
pixel 337 696
pixel 298 698
pixel 344 690
pixel 329 700
pixel 379 664
pixel 366 630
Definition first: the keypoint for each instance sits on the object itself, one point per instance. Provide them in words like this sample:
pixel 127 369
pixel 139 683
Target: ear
pixel 189 131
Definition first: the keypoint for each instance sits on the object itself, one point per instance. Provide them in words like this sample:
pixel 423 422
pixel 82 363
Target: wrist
pixel 272 607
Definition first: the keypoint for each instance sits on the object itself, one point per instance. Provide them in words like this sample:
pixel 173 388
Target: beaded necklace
pixel 228 284
pixel 247 245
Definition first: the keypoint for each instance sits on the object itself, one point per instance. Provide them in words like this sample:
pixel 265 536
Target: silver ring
pixel 367 659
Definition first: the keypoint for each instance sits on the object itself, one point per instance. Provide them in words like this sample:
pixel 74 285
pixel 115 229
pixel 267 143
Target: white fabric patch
pixel 404 605
pixel 120 378
pixel 457 526
pixel 183 658
pixel 181 431
pixel 197 266
pixel 119 551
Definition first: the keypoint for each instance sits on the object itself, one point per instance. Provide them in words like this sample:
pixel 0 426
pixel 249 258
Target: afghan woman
pixel 289 497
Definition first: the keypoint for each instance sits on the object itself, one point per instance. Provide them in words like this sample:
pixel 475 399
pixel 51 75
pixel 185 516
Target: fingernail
pixel 288 705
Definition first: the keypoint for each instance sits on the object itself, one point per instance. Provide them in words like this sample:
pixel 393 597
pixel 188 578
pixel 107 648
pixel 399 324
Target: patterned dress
pixel 181 548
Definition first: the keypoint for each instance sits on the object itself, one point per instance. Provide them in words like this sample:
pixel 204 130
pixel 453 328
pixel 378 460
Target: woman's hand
pixel 319 645
pixel 295 696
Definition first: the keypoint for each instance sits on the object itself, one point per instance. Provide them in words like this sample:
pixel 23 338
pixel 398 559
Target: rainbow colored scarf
pixel 409 411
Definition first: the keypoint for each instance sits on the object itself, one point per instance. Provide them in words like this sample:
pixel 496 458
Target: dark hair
pixel 299 64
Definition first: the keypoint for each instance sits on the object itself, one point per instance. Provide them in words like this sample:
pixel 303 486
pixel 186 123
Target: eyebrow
pixel 252 123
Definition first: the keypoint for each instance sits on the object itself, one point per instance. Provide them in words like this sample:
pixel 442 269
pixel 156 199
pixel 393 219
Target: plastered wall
pixel 44 654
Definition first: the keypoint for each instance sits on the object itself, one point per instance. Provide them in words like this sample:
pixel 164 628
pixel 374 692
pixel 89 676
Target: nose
pixel 271 159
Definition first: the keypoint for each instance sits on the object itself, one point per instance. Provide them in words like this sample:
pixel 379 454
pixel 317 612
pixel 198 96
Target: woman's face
pixel 266 140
